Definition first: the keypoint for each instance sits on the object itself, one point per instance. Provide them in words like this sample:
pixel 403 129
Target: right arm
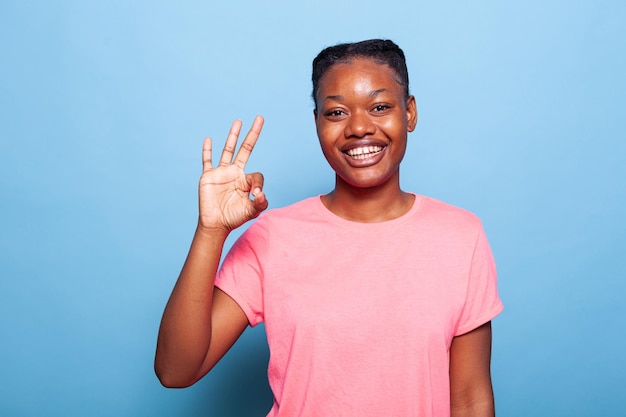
pixel 200 322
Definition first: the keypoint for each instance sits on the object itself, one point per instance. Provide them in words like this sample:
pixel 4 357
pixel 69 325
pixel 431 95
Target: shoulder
pixel 280 227
pixel 295 216
pixel 433 207
pixel 446 216
pixel 303 209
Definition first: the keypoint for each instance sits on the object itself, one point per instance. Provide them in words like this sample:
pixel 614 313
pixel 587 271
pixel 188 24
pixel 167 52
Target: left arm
pixel 471 394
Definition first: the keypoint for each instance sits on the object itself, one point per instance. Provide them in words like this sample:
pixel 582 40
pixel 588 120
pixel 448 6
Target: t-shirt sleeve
pixel 482 302
pixel 241 273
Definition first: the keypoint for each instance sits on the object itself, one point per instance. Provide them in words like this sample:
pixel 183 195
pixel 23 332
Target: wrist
pixel 212 232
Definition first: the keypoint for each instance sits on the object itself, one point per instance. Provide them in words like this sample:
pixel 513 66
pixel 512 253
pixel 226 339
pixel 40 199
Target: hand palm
pixel 224 191
pixel 224 197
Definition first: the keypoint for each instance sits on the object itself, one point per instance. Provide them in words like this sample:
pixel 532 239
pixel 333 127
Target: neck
pixel 368 205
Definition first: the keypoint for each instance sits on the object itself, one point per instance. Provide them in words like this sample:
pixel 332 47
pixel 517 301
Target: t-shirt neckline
pixel 332 217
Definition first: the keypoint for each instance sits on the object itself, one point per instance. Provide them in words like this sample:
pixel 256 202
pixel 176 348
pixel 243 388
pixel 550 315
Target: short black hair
pixel 381 51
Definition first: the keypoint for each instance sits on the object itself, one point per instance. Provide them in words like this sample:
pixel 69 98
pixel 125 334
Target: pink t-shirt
pixel 360 316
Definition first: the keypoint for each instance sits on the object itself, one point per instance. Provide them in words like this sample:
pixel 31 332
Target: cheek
pixel 396 128
pixel 323 138
pixel 328 133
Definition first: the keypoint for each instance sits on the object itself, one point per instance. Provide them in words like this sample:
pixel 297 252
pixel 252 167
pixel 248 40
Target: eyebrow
pixel 373 93
pixel 377 92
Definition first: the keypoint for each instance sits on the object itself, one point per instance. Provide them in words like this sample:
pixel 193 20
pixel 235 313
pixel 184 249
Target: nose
pixel 359 125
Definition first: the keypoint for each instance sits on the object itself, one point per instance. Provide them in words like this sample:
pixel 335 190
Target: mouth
pixel 364 152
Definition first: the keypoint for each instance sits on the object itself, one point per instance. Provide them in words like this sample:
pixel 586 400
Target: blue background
pixel 103 109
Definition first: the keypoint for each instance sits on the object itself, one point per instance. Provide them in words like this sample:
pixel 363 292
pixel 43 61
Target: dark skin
pixel 362 117
pixel 360 107
pixel 200 322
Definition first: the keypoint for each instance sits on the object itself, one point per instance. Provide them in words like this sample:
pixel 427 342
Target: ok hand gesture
pixel 224 191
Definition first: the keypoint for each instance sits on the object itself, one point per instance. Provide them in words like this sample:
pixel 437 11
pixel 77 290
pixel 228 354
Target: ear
pixel 411 113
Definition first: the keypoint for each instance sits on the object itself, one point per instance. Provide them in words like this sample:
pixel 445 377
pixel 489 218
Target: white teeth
pixel 364 151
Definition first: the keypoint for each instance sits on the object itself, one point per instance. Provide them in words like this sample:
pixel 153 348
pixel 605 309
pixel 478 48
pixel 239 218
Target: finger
pixel 260 202
pixel 255 181
pixel 248 143
pixel 231 143
pixel 206 154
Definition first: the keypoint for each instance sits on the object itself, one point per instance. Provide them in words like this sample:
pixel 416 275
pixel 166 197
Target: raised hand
pixel 225 191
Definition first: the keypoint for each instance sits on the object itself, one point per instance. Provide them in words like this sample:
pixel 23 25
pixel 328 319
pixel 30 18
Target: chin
pixel 368 183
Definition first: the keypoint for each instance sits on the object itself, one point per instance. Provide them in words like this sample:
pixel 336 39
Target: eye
pixel 334 113
pixel 381 108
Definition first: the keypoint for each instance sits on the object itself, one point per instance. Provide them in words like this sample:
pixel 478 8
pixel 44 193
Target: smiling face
pixel 363 117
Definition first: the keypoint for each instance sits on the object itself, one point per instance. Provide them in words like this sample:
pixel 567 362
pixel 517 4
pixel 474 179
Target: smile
pixel 364 152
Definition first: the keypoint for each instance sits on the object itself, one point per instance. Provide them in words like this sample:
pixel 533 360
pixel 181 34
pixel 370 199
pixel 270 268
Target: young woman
pixel 376 301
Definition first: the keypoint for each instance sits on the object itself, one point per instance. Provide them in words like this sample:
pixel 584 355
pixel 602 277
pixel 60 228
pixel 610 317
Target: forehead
pixel 359 73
